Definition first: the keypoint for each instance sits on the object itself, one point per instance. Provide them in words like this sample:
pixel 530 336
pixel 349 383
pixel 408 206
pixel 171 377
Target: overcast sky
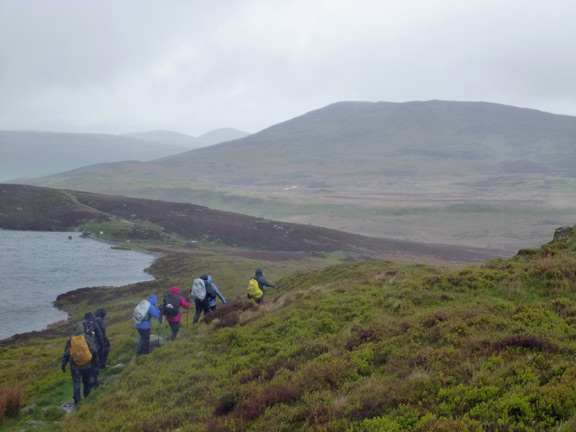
pixel 197 65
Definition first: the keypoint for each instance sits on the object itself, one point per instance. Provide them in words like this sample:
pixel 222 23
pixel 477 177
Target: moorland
pixel 346 341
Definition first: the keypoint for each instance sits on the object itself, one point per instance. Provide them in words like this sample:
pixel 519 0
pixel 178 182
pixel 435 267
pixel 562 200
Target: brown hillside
pixel 32 208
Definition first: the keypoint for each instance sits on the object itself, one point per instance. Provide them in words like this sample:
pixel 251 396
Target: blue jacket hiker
pixel 217 292
pixel 145 327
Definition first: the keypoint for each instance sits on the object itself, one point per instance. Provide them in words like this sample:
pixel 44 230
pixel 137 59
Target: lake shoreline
pixel 53 329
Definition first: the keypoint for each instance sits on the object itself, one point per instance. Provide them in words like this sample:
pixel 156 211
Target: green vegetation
pixel 365 346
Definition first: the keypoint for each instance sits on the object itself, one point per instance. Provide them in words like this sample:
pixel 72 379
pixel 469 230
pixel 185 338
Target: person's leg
pixel 198 312
pixel 95 370
pixel 206 306
pixel 145 335
pixel 75 383
pixel 87 380
pixel 105 352
pixel 139 350
pixel 144 342
pixel 175 327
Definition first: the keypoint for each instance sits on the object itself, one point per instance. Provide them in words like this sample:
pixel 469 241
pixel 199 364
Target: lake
pixel 36 267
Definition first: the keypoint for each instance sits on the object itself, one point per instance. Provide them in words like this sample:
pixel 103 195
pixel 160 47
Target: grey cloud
pixel 196 66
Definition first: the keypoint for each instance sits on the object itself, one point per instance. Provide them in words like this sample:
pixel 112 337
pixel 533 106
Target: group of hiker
pixel 204 293
pixel 87 350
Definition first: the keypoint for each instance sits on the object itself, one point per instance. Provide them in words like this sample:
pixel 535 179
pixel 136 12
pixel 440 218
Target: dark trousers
pixel 86 376
pixel 103 355
pixel 201 306
pixel 143 342
pixel 175 327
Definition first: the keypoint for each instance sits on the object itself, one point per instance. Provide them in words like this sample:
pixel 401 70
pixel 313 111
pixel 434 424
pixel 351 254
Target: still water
pixel 35 267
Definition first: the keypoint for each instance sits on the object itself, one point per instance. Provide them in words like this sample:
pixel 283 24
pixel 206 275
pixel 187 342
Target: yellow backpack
pixel 254 289
pixel 79 350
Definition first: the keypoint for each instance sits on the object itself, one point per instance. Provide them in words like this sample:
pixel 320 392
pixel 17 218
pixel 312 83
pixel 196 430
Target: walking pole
pixel 159 325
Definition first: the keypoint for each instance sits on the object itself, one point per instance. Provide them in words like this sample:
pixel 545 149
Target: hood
pixel 101 312
pixel 258 272
pixel 78 329
pixel 209 278
pixel 89 316
pixel 175 290
pixel 152 299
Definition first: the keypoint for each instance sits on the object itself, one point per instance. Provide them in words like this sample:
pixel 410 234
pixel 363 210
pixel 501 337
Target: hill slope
pixel 416 350
pixel 359 140
pixel 468 173
pixel 367 346
pixel 32 208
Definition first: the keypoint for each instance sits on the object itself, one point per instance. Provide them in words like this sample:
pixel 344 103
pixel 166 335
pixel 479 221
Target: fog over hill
pixel 33 154
pixel 176 138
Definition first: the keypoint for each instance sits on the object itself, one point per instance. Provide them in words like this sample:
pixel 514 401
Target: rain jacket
pixel 185 304
pixel 152 313
pixel 217 292
pixel 262 282
pixel 66 357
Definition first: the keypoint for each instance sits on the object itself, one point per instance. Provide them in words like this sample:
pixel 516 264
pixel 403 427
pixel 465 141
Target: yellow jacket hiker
pixel 256 286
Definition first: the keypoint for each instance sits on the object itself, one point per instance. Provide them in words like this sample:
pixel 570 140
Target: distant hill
pixel 220 135
pixel 167 137
pixel 473 173
pixel 175 138
pixel 33 154
pixel 361 142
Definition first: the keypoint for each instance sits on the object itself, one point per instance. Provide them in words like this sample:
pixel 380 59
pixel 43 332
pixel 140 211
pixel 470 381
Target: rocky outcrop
pixel 562 232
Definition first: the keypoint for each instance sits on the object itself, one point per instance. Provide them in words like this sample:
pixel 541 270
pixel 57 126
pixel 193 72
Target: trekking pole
pixel 159 325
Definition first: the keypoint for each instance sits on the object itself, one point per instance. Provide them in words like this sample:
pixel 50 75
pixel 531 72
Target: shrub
pixel 11 399
pixel 226 405
pixel 525 341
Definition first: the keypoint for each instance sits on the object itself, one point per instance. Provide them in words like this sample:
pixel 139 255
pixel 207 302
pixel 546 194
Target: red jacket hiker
pixel 185 304
pixel 174 321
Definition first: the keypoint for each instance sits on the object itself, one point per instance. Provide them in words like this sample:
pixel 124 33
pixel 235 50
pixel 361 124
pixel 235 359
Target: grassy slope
pixel 370 346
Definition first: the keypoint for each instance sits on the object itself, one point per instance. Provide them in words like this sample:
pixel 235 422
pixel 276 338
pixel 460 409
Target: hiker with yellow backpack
pixel 82 354
pixel 256 286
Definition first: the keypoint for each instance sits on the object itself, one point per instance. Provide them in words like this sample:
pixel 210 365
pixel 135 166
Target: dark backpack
pixel 171 305
pixel 210 293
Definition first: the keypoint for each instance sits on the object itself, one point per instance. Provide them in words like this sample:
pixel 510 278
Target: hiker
pixel 144 325
pixel 203 304
pixel 95 332
pixel 82 354
pixel 212 302
pixel 171 310
pixel 105 348
pixel 256 289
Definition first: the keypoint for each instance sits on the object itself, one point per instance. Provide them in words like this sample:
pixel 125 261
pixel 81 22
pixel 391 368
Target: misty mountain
pixel 355 143
pixel 167 137
pixel 27 154
pixel 179 139
pixel 32 154
pixel 220 135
